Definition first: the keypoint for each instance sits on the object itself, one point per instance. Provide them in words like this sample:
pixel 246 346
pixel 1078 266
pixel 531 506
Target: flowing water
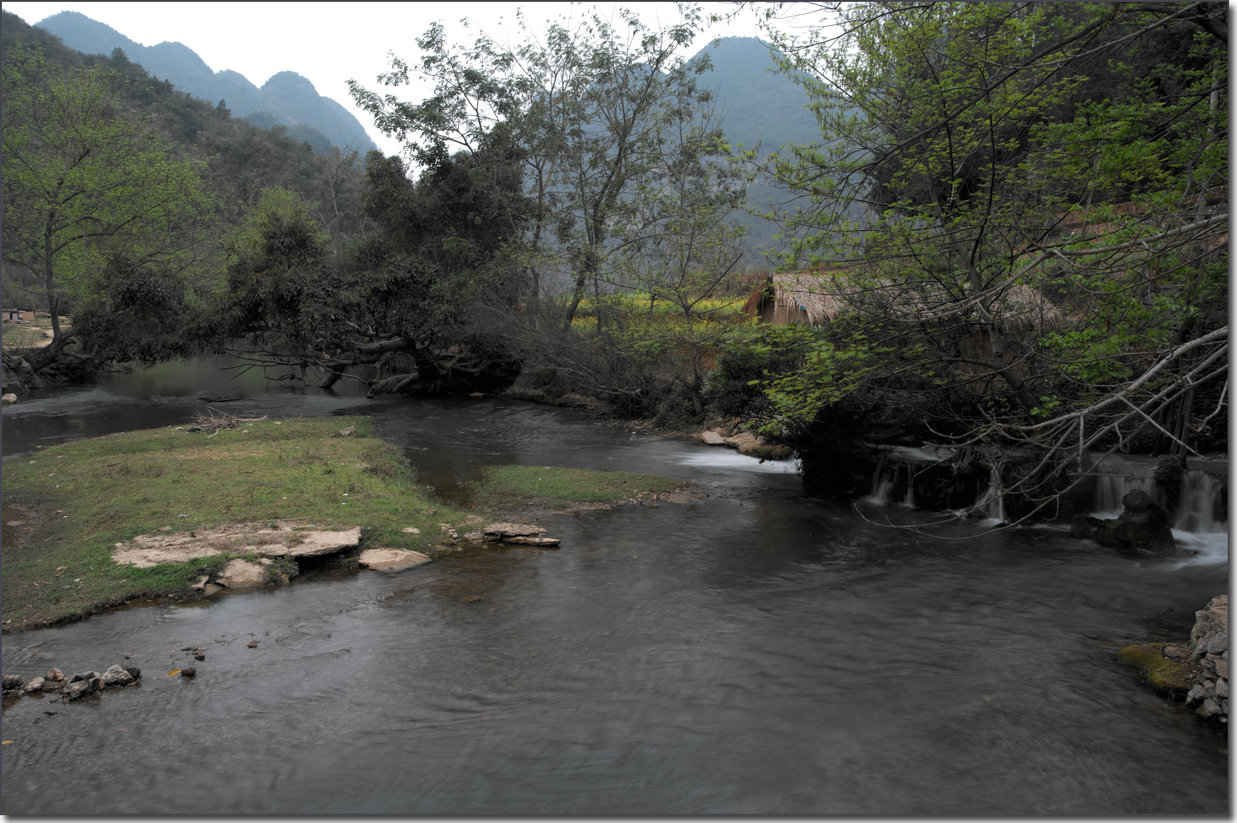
pixel 754 651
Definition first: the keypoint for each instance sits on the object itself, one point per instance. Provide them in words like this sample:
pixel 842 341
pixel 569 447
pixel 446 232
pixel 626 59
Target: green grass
pixel 79 499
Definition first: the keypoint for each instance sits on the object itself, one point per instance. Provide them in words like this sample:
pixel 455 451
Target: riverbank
pixel 66 507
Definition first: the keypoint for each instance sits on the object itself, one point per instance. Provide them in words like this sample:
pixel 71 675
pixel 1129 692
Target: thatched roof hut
pixel 820 296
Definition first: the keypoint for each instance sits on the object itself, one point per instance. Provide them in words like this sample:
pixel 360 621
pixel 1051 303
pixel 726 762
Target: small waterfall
pixel 908 499
pixel 882 485
pixel 1197 506
pixel 886 482
pixel 992 503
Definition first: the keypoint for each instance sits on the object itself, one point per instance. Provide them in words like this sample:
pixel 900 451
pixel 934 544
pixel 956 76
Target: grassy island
pixel 66 507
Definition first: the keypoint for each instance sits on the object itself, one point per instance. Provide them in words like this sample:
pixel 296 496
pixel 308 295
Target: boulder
pixel 1142 528
pixel 1083 526
pixel 391 560
pixel 241 574
pixel 8 399
pixel 115 676
pixel 712 438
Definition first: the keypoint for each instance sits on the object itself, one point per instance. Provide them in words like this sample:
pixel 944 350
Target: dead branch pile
pixel 215 421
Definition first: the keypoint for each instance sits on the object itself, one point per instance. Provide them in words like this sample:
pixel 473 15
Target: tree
pixel 85 179
pixel 593 108
pixel 1043 242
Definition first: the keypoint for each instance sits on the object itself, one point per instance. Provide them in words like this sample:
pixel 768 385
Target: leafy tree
pixel 1044 233
pixel 84 179
pixel 593 107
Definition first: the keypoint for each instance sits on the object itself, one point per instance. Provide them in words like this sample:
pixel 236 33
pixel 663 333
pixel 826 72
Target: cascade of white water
pixel 882 485
pixel 1109 489
pixel 908 499
pixel 993 501
pixel 1196 506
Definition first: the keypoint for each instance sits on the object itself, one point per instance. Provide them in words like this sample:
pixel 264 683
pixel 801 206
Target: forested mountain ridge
pixel 239 159
pixel 286 98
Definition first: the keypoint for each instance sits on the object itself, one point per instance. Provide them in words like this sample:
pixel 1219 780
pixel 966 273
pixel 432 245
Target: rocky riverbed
pixel 1197 671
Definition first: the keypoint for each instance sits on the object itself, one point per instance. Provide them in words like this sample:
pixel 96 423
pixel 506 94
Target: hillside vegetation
pixel 1004 228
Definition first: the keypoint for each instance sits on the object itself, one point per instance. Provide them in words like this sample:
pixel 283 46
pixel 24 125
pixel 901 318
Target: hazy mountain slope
pixel 761 108
pixel 287 97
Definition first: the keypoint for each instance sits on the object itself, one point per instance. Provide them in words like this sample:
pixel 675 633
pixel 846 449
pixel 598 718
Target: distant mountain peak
pixel 287 96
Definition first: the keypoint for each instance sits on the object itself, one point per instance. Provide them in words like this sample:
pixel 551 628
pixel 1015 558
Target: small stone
pixel 35 685
pixel 84 676
pixel 1221 667
pixel 1222 688
pixel 1210 708
pixel 1177 652
pixel 54 674
pixel 134 672
pixel 188 671
pixel 253 644
pixel 76 689
pixel 12 681
pixel 198 654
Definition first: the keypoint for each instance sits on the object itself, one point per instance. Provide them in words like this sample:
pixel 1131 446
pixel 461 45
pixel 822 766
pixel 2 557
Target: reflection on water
pixel 752 652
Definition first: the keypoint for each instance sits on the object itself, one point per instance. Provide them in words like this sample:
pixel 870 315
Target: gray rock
pixel 134 672
pixel 54 674
pixel 115 676
pixel 1083 526
pixel 1211 708
pixel 77 689
pixel 1142 528
pixel 35 685
pixel 188 671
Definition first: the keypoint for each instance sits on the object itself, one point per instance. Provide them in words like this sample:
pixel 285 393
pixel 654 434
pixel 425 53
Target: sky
pixel 330 43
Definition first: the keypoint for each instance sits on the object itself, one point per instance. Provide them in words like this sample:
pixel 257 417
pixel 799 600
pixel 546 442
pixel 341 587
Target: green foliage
pixel 1044 210
pixel 85 179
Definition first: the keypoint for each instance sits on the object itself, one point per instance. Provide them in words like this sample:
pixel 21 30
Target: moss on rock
pixel 1173 677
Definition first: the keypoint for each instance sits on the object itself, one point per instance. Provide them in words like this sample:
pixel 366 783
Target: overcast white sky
pixel 330 43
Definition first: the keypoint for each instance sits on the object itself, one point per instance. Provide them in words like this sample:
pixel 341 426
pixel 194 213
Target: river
pixel 754 652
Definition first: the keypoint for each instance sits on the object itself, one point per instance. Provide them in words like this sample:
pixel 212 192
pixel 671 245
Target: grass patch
pixel 79 499
pixel 555 487
pixel 75 501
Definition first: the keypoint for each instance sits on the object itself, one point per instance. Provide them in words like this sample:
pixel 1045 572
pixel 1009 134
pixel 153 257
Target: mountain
pixel 760 107
pixel 286 99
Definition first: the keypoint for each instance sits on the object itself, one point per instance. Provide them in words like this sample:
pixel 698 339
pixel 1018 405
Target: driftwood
pixel 216 421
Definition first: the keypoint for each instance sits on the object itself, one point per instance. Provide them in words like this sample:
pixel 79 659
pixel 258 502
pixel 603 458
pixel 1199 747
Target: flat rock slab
pixel 391 560
pixel 504 531
pixel 284 539
pixel 543 542
pixel 713 438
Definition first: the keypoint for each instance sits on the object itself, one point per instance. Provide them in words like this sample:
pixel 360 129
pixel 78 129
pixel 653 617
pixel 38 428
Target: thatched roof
pixel 820 296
